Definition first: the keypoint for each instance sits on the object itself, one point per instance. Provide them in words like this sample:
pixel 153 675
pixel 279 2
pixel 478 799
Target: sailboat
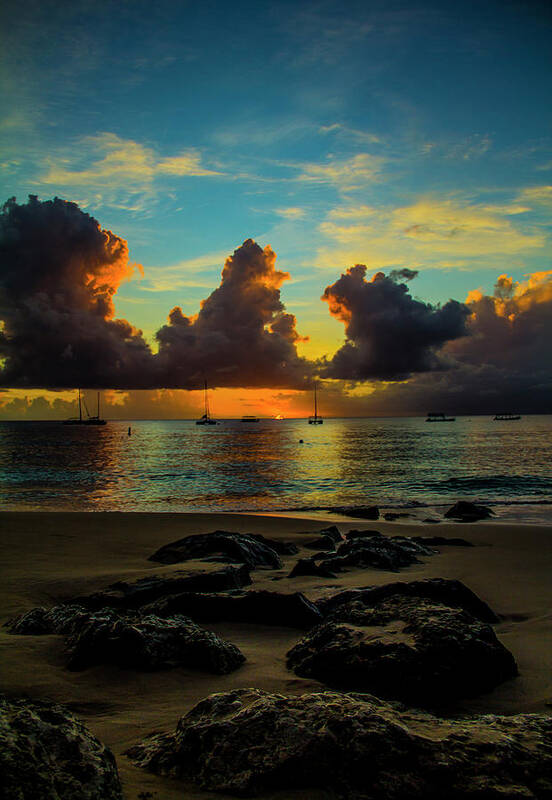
pixel 89 420
pixel 206 418
pixel 315 419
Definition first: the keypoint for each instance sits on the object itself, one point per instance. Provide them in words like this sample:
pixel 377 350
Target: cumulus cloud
pixel 241 336
pixel 503 364
pixel 58 273
pixel 390 335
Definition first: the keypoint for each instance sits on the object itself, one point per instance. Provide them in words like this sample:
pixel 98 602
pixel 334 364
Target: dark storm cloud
pixel 58 273
pixel 504 364
pixel 390 335
pixel 242 335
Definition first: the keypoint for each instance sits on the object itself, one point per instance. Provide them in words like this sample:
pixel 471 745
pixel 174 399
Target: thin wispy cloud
pixel 293 212
pixel 427 232
pixel 346 174
pixel 114 169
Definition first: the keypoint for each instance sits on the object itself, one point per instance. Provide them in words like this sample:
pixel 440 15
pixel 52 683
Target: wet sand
pixel 49 557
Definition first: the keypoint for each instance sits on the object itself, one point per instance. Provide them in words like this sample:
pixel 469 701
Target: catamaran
pixel 315 419
pixel 206 418
pixel 89 419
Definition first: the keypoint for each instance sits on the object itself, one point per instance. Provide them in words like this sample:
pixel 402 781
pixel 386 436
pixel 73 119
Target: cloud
pixel 59 273
pixel 117 169
pixel 427 232
pixel 390 335
pixel 346 174
pixel 537 195
pixel 242 336
pixel 291 213
pixel 503 364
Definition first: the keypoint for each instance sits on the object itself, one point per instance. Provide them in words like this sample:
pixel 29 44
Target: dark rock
pixel 361 534
pixel 393 515
pixel 262 608
pixel 62 619
pixel 441 541
pixel 363 512
pixel 450 593
pixel 146 590
pixel 411 649
pixel 432 521
pixel 47 754
pixel 149 643
pixel 253 551
pixel 468 512
pixel 322 543
pixel 379 552
pixel 249 741
pixel 282 548
pixel 308 566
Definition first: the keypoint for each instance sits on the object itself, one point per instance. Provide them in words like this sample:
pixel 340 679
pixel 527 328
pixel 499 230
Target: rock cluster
pixel 364 549
pixel 362 748
pixel 47 754
pixel 250 549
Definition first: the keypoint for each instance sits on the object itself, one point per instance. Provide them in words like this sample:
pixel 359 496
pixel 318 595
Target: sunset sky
pixel 413 138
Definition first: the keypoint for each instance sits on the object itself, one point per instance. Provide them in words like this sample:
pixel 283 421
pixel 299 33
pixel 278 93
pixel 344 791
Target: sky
pixel 221 171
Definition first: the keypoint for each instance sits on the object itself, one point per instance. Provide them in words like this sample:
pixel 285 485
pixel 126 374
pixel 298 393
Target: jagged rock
pixel 149 643
pixel 253 551
pixel 258 607
pixel 376 551
pixel 47 754
pixel 465 511
pixel 442 541
pixel 308 566
pixel 448 592
pixel 322 543
pixel 363 512
pixel 282 548
pixel 131 639
pixel 409 648
pixel 354 534
pixel 60 619
pixel 248 741
pixel 146 590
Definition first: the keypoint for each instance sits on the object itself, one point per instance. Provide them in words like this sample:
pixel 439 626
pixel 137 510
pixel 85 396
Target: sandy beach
pixel 50 557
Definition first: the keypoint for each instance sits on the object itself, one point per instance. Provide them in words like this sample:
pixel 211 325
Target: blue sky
pixel 387 133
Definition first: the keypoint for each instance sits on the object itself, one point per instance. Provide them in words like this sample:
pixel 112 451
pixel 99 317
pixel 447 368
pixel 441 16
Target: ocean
pixel 275 466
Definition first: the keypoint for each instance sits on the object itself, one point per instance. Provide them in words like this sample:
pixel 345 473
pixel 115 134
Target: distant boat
pixel 438 416
pixel 505 416
pixel 250 418
pixel 90 419
pixel 206 418
pixel 315 419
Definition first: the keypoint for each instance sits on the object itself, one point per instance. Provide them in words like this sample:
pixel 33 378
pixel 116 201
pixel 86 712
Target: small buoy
pixel 129 430
pixel 301 441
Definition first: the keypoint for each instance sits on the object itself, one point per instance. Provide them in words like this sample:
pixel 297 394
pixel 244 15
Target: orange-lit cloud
pixel 242 336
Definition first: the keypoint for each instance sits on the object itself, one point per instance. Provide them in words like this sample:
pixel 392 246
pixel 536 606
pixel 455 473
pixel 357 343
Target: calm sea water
pixel 234 466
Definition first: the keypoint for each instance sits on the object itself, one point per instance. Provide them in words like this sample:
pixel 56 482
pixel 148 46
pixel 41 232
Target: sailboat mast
pixel 80 407
pixel 98 405
pixel 315 404
pixel 206 399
